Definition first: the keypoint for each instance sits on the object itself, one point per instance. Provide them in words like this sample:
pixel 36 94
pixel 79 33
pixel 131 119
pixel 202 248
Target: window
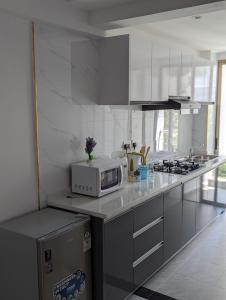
pixel 167 130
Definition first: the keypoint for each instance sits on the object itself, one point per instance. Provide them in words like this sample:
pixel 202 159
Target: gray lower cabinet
pixel 205 212
pixel 189 210
pixel 137 243
pixel 148 239
pixel 197 211
pixel 148 266
pixel 148 212
pixel 118 257
pixel 188 221
pixel 172 221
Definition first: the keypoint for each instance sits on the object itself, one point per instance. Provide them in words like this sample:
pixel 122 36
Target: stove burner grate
pixel 182 167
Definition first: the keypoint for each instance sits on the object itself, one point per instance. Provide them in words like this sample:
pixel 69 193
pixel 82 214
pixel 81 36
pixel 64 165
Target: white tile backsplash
pixel 67 92
pixel 67 75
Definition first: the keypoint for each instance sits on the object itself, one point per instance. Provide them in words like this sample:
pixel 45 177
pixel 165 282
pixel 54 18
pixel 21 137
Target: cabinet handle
pixel 145 228
pixel 147 254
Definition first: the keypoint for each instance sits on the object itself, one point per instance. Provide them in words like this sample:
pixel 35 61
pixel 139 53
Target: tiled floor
pixel 199 271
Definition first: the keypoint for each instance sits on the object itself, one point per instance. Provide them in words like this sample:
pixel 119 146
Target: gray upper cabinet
pixel 114 70
pixel 125 69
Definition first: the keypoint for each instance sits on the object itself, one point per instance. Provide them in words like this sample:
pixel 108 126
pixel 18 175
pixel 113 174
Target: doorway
pixel 220 144
pixel 221 109
pixel 214 182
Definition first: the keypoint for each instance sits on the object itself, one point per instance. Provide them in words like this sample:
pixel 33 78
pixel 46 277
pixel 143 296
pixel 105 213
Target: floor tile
pixel 184 288
pixel 199 271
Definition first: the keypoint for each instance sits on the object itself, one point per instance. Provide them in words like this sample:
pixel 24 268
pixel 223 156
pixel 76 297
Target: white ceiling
pixel 97 4
pixel 207 33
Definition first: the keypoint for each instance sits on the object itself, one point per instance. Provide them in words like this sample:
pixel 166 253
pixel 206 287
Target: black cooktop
pixel 182 167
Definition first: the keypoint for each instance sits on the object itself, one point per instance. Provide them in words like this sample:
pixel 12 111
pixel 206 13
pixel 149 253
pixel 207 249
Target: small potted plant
pixel 90 145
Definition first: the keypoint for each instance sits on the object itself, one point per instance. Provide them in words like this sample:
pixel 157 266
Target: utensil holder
pixel 143 172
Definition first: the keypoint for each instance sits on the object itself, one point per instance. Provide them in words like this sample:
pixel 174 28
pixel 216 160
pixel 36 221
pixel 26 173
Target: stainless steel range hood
pixel 185 102
pixel 174 102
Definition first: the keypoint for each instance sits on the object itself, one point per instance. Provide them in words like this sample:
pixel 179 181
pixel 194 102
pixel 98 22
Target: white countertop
pixel 130 195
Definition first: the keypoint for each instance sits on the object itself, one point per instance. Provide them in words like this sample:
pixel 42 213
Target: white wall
pixel 55 12
pixel 18 190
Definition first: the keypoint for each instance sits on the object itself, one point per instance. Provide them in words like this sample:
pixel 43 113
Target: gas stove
pixel 182 167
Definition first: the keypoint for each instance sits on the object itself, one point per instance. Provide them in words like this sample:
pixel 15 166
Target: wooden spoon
pixel 148 149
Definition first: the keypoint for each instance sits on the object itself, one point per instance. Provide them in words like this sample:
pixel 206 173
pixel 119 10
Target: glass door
pixel 208 189
pixel 221 111
pixel 221 185
pixel 220 133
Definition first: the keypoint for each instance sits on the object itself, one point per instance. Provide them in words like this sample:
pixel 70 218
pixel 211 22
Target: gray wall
pixel 18 192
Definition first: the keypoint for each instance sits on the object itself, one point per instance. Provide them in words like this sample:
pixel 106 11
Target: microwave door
pixel 111 178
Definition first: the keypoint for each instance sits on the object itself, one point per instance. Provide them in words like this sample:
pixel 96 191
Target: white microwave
pixel 97 178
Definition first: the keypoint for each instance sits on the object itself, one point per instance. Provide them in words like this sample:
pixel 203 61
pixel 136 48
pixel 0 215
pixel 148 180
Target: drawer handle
pixel 147 254
pixel 145 228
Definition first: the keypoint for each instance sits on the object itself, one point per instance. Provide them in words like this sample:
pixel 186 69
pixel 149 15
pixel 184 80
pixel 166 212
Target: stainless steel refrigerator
pixel 46 255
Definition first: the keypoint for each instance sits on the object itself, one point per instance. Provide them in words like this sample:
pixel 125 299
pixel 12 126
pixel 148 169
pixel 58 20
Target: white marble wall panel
pixel 67 95
pixel 67 74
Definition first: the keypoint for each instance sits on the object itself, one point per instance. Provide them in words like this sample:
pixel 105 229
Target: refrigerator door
pixel 65 263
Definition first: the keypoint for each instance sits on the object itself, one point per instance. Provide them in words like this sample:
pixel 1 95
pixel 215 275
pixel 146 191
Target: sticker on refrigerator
pixel 70 287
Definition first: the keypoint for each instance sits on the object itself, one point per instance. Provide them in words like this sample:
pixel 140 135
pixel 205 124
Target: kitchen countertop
pixel 129 196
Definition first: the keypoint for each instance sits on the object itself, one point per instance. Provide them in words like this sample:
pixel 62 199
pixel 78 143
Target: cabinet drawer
pixel 148 266
pixel 148 212
pixel 146 240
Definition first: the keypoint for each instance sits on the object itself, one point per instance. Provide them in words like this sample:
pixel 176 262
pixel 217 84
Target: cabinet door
pixel 114 70
pixel 202 74
pixel 186 74
pixel 175 71
pixel 221 185
pixel 189 210
pixel 118 257
pixel 205 213
pixel 172 221
pixel 160 71
pixel 148 212
pixel 140 68
pixel 208 191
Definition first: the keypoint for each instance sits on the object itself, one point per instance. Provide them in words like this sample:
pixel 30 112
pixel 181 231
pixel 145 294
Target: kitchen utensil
pixel 142 152
pixel 148 149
